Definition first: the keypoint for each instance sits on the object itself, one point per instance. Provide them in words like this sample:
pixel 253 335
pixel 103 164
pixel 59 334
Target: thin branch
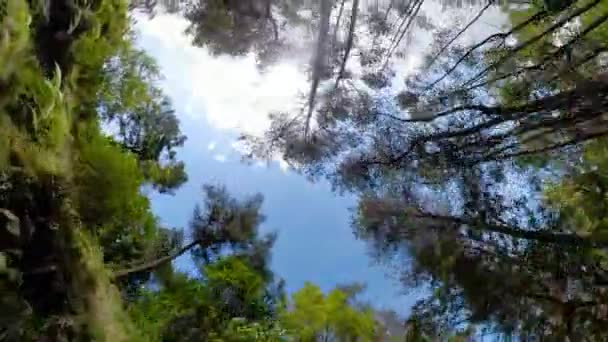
pixel 411 16
pixel 337 27
pixel 564 239
pixel 155 263
pixel 558 24
pixel 480 108
pixel 554 147
pixel 388 10
pixel 589 99
pixel 536 17
pixel 558 53
pixel 410 6
pixel 590 57
pixel 545 128
pixel 463 30
pixel 586 94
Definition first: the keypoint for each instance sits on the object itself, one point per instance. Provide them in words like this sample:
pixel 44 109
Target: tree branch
pixel 337 27
pixel 155 263
pixel 589 95
pixel 558 53
pixel 564 239
pixel 463 30
pixel 536 17
pixel 533 40
pixel 410 18
pixel 388 10
pixel 572 142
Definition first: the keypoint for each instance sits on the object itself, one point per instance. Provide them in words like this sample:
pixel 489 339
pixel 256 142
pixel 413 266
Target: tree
pixel 70 196
pixel 228 302
pixel 432 172
pixel 235 27
pixel 314 316
pixel 506 269
pixel 142 117
pixel 223 225
pixel 449 113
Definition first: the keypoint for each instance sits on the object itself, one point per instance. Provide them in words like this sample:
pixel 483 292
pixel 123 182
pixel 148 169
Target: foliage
pixel 226 303
pixel 84 126
pixel 71 197
pixel 146 125
pixel 314 316
pixel 484 173
pixel 210 302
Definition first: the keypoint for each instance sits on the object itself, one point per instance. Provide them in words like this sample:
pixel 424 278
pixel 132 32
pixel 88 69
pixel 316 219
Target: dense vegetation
pixel 84 127
pixel 484 178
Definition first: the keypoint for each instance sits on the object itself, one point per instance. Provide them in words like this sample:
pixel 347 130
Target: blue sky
pixel 216 98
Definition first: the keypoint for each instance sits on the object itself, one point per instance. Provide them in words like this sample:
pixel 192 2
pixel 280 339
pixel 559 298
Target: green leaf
pixel 3 263
pixel 10 222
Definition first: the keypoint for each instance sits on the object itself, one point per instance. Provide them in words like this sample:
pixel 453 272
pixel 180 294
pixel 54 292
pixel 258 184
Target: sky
pixel 216 99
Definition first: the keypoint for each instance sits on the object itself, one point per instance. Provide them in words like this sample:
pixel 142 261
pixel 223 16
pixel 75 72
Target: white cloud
pixel 260 164
pixel 283 165
pixel 229 92
pixel 220 158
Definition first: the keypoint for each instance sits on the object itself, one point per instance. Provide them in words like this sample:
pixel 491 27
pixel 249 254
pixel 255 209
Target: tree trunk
pixel 349 42
pixel 318 65
pixel 337 27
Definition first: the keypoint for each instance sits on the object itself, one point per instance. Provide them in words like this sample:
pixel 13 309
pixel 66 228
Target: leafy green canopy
pixel 70 196
pixel 228 294
pixel 314 316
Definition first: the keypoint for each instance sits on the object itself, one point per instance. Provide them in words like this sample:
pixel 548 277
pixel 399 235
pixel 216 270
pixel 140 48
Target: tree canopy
pixel 484 173
pixel 482 177
pixel 84 127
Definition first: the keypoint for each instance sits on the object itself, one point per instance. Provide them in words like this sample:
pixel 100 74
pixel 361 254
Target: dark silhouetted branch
pixel 155 263
pixel 558 53
pixel 409 18
pixel 565 239
pixel 337 27
pixel 536 17
pixel 511 52
pixel 463 30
